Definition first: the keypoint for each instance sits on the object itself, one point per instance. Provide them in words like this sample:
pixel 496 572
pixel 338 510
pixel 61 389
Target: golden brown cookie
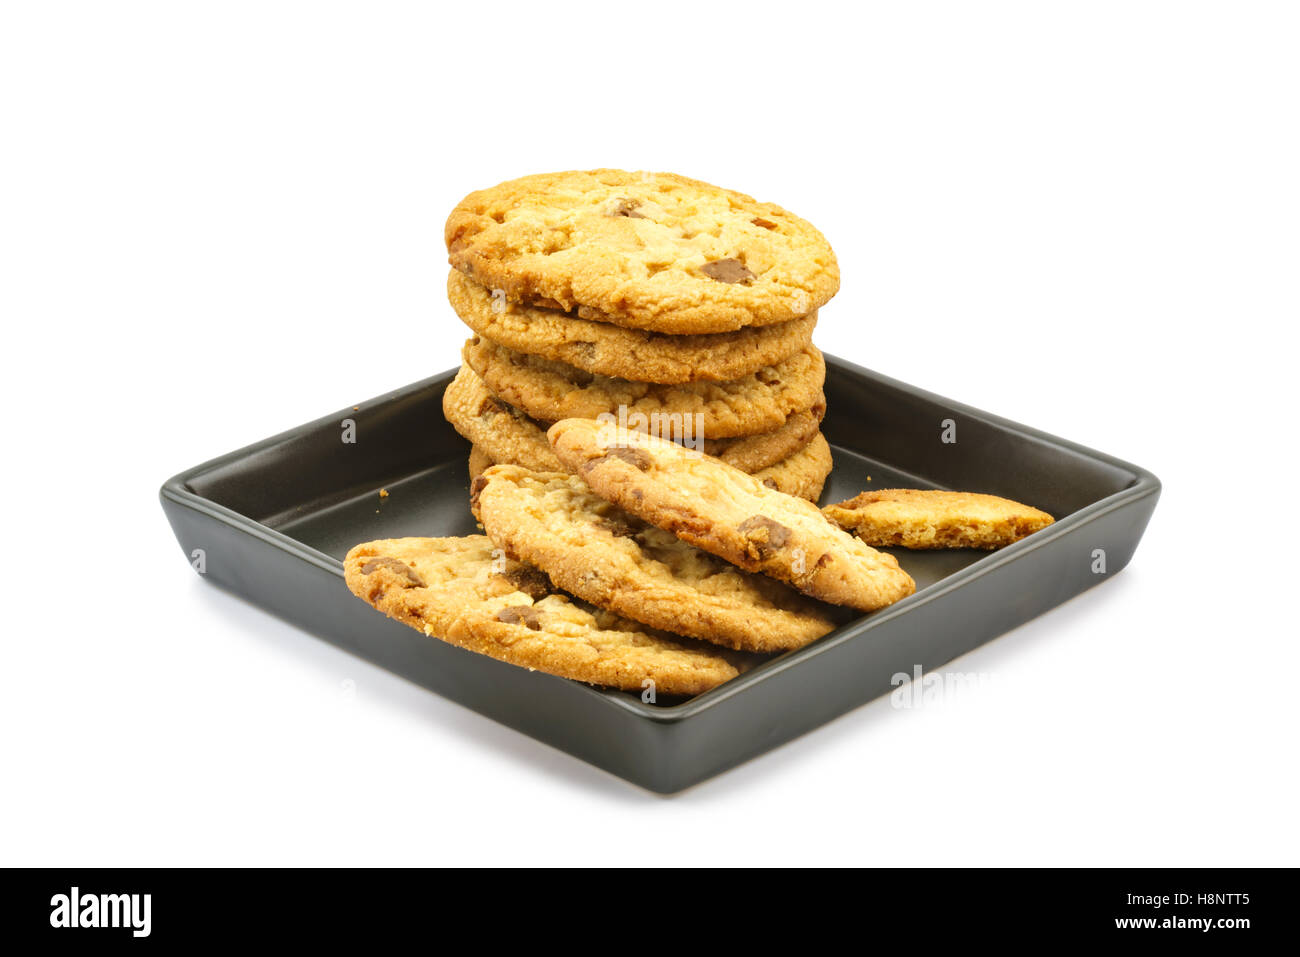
pixel 465 592
pixel 508 436
pixel 595 550
pixel 930 518
pixel 479 462
pixel 549 391
pixel 802 474
pixel 644 250
pixel 609 350
pixel 733 515
pixel 501 432
pixel 753 453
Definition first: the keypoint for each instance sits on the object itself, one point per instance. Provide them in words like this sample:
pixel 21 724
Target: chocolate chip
pixel 765 535
pixel 765 223
pixel 375 564
pixel 631 456
pixel 533 582
pixel 627 207
pixel 617 526
pixel 475 489
pixel 526 615
pixel 770 483
pixel 727 270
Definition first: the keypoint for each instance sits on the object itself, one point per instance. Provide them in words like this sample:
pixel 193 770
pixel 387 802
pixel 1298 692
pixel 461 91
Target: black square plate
pixel 274 520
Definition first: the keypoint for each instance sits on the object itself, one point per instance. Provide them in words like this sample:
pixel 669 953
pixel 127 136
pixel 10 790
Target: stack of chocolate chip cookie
pixel 668 305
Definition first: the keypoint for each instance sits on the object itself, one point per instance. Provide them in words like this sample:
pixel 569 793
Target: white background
pixel 219 221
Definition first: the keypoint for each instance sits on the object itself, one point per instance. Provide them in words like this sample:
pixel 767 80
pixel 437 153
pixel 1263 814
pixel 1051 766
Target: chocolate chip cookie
pixel 802 474
pixel 609 350
pixel 479 462
pixel 930 518
pixel 650 251
pixel 595 550
pixel 729 513
pixel 464 591
pixel 549 391
pixel 500 431
pixel 506 435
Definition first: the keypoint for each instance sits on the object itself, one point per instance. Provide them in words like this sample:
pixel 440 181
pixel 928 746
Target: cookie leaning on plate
pixel 550 391
pixel 645 250
pixel 932 518
pixel 595 550
pixel 466 593
pixel 606 349
pixel 803 473
pixel 729 513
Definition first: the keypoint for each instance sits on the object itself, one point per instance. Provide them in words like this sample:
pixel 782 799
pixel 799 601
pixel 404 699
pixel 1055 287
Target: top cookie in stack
pixel 650 297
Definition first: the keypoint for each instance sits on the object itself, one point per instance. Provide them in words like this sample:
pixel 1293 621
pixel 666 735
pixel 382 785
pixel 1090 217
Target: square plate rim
pixel 177 490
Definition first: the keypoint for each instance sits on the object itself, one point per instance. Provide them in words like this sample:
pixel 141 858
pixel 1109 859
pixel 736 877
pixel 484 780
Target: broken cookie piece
pixel 933 518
